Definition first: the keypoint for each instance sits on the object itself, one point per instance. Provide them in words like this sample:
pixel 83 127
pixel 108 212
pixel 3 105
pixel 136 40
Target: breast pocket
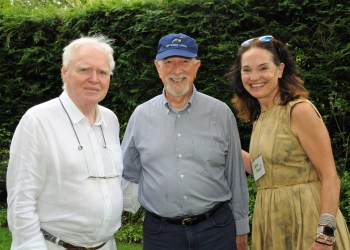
pixel 209 155
pixel 112 165
pixel 116 152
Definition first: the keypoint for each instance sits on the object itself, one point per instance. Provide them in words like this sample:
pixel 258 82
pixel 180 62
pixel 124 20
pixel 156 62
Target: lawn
pixel 5 239
pixel 5 242
pixel 124 246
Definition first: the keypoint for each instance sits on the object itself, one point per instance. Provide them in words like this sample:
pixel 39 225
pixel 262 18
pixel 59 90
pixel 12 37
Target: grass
pixel 5 239
pixel 5 242
pixel 124 246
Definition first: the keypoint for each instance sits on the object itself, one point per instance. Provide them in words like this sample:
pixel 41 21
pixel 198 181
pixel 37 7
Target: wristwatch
pixel 326 230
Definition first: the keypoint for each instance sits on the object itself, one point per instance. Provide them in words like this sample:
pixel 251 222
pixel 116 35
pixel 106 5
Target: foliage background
pixel 317 33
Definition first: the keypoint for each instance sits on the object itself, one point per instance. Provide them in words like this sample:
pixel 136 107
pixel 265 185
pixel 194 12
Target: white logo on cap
pixel 176 40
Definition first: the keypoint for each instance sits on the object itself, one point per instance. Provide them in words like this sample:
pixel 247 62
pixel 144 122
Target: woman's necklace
pixel 80 147
pixel 263 114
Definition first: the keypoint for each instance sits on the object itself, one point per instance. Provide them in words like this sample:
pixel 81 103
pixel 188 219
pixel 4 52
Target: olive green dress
pixel 287 205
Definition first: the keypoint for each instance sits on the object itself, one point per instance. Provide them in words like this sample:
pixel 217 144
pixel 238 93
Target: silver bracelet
pixel 324 239
pixel 328 220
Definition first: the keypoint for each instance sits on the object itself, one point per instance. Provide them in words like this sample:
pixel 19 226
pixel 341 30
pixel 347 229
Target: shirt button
pixel 180 155
pixel 185 197
pixel 178 115
pixel 182 176
pixel 178 135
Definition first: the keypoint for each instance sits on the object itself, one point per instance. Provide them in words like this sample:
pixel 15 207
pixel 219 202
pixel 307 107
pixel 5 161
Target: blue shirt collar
pixel 190 101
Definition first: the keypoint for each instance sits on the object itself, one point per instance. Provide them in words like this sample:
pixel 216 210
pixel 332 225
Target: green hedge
pixel 317 33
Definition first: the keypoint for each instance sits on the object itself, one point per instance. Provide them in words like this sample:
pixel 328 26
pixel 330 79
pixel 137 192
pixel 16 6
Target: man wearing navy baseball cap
pixel 183 149
pixel 177 45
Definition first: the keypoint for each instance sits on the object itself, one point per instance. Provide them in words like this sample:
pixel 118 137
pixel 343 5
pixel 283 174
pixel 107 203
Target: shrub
pixel 344 201
pixel 131 230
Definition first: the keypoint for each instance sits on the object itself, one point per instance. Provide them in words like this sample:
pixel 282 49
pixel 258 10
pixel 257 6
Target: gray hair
pixel 99 41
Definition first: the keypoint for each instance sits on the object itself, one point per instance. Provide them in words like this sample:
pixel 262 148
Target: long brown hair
pixel 291 86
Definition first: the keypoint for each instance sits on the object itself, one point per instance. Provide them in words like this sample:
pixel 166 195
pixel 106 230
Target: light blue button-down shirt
pixel 186 162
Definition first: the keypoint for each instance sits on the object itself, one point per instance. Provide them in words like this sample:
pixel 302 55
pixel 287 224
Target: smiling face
pixel 177 75
pixel 86 78
pixel 260 75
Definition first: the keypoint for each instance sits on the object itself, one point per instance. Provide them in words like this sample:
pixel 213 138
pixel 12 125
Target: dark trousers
pixel 215 233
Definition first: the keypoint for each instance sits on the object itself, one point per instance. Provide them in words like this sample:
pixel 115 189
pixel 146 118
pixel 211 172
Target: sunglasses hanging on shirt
pixel 80 147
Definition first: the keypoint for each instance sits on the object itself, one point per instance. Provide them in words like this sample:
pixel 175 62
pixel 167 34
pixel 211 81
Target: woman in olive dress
pixel 290 154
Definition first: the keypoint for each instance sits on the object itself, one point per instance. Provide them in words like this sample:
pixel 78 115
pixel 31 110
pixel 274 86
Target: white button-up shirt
pixel 76 195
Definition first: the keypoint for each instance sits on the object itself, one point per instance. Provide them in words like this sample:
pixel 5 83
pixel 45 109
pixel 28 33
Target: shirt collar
pixel 74 112
pixel 189 105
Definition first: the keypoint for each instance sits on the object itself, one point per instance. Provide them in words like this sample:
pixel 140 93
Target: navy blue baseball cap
pixel 177 45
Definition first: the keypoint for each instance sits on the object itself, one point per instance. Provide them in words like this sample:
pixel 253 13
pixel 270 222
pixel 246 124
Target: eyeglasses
pixel 109 168
pixel 264 39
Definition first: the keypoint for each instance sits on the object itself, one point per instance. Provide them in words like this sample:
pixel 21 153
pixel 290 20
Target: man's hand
pixel 242 242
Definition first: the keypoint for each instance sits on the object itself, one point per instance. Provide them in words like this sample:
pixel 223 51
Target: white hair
pixel 100 42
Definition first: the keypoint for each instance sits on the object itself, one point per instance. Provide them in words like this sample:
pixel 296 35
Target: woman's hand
pixel 318 246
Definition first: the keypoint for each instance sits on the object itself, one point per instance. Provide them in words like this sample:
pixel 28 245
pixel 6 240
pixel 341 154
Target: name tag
pixel 258 168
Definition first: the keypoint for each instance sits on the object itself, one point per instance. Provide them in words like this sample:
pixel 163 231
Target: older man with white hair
pixel 64 179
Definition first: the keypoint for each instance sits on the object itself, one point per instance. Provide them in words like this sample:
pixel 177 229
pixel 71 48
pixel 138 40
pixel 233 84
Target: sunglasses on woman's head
pixel 264 39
